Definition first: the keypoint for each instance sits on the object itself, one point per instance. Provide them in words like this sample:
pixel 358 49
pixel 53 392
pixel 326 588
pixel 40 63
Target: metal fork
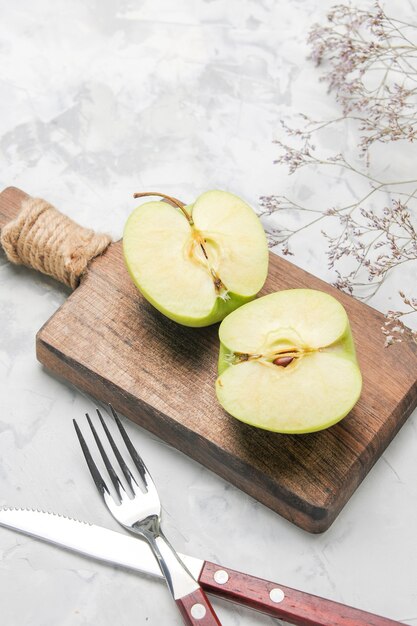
pixel 140 512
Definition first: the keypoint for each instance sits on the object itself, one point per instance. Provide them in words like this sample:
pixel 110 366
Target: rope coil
pixel 43 238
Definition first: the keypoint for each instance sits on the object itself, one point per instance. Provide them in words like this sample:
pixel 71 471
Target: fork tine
pixel 126 471
pixel 137 460
pixel 95 473
pixel 113 476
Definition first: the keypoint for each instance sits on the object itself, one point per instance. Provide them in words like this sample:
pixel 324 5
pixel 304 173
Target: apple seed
pixel 283 360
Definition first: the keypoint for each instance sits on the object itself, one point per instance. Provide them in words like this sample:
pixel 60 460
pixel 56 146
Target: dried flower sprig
pixel 361 45
pixel 394 329
pixel 371 63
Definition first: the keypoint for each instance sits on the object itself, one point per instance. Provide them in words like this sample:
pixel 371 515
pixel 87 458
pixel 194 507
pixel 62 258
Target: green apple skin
pixel 221 306
pixel 343 348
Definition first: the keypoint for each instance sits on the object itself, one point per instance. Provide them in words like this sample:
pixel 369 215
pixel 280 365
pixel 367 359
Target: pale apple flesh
pixel 287 362
pixel 197 264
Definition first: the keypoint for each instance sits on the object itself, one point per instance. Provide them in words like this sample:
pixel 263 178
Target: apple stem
pixel 174 201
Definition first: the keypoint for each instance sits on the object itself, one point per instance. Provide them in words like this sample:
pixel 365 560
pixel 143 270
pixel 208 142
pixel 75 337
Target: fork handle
pixel 196 610
pixel 189 597
pixel 290 605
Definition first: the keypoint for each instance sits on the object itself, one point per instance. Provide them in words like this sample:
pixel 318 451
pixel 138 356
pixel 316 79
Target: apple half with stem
pixel 199 262
pixel 287 362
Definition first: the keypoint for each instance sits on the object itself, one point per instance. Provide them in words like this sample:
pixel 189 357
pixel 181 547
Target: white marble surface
pixel 99 99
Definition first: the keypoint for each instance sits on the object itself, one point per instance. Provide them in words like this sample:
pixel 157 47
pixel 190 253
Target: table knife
pixel 290 605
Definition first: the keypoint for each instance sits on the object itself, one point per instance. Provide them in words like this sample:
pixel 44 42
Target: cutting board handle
pixel 11 200
pixel 36 234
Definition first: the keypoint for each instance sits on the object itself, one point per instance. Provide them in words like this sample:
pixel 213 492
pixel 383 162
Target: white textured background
pixel 99 99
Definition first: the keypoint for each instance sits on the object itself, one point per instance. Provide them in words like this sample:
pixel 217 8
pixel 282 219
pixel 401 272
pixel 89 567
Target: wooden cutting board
pixel 108 341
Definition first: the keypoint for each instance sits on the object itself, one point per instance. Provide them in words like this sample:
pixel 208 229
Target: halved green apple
pixel 287 362
pixel 196 263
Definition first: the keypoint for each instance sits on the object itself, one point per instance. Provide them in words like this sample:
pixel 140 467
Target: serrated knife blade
pixel 90 540
pixel 109 546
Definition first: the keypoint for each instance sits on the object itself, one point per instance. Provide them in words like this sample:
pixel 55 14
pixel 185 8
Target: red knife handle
pixel 290 605
pixel 196 610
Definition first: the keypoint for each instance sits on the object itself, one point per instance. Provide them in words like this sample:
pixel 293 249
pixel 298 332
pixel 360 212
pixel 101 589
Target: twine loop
pixel 43 238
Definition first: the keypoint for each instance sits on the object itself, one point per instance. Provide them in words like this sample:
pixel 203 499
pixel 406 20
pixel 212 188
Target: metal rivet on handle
pixel 221 577
pixel 198 611
pixel 276 595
